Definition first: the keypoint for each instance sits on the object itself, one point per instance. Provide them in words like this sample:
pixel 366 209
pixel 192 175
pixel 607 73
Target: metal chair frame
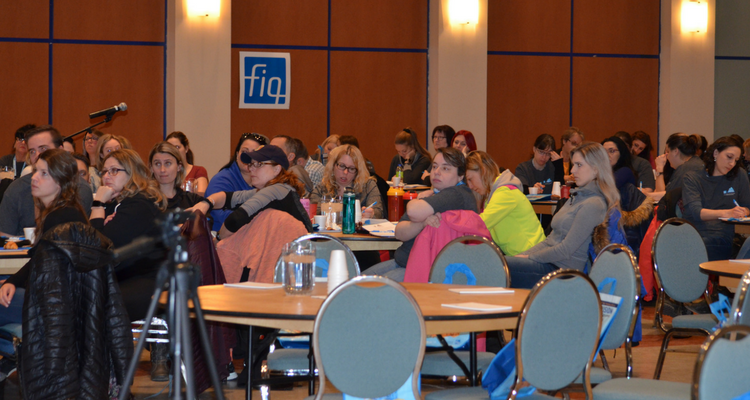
pixel 731 331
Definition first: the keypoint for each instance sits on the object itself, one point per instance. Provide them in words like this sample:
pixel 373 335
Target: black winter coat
pixel 75 327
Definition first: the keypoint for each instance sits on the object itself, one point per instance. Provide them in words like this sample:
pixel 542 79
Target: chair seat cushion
pixel 289 360
pixel 639 389
pixel 439 364
pixel 596 376
pixel 696 321
pixel 474 393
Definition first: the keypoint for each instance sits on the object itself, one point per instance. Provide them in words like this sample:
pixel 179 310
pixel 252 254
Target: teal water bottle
pixel 349 217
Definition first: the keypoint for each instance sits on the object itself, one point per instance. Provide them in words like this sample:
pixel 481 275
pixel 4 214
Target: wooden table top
pixel 13 260
pixel 273 308
pixel 728 268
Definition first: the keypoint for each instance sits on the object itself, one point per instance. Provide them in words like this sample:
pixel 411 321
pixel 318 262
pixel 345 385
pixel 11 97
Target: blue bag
pixel 721 309
pixel 460 341
pixel 501 374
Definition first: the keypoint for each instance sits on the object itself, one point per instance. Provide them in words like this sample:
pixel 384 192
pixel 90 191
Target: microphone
pixel 109 111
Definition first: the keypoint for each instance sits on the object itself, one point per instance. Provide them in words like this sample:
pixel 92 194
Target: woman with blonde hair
pixel 168 170
pixel 325 148
pixel 505 210
pixel 346 168
pixel 109 143
pixel 275 187
pixel 572 227
pixel 413 158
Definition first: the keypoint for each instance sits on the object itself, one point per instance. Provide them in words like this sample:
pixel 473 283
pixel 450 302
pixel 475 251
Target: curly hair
pixel 289 178
pixel 63 169
pixel 329 178
pixel 138 177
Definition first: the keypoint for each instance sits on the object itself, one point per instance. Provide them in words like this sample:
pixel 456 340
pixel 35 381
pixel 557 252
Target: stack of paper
pixel 471 306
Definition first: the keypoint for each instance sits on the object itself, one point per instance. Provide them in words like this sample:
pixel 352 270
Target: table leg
pixel 311 370
pixel 473 358
pixel 249 362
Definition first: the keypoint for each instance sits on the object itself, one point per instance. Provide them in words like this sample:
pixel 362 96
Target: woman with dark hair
pixel 275 187
pixel 234 176
pixel 642 147
pixel 193 173
pixel 90 146
pixel 464 142
pixel 16 160
pixel 702 146
pixel 567 246
pixel 680 153
pixel 449 193
pixel 413 158
pixel 643 170
pixel 719 191
pixel 509 216
pixel 442 136
pixel 168 170
pixel 539 171
pixel 619 159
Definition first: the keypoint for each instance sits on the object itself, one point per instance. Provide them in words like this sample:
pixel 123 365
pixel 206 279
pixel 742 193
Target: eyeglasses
pixel 255 136
pixel 82 173
pixel 91 139
pixel 613 151
pixel 436 137
pixel 256 164
pixel 543 153
pixel 112 171
pixel 20 139
pixel 344 168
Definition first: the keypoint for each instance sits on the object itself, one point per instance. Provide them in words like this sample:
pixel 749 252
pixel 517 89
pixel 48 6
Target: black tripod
pixel 182 278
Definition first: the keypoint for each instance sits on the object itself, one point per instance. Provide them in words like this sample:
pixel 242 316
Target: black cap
pixel 268 152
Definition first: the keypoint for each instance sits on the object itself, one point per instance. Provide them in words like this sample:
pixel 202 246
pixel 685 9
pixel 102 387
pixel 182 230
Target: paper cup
pixel 321 221
pixel 29 234
pixel 533 190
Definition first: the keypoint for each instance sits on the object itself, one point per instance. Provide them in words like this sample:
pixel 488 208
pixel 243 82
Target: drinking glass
pixel 299 267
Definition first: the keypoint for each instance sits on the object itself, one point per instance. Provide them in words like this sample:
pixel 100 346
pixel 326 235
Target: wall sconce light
pixel 203 8
pixel 463 12
pixel 694 16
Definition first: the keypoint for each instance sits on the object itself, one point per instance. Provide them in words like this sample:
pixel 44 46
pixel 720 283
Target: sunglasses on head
pixel 255 136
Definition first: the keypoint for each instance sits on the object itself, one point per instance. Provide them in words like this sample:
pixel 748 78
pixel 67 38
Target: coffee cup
pixel 533 190
pixel 29 234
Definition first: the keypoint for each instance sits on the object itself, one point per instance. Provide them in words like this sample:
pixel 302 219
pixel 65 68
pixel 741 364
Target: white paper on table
pixel 482 290
pixel 255 285
pixel 383 229
pixel 472 306
pixel 741 261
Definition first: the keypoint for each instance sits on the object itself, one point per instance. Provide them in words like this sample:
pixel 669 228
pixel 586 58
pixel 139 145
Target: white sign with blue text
pixel 265 80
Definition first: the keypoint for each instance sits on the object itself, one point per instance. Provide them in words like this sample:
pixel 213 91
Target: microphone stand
pixel 182 278
pixel 107 118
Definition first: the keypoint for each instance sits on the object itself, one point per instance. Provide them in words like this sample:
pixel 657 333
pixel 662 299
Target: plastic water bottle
pixel 400 175
pixel 350 212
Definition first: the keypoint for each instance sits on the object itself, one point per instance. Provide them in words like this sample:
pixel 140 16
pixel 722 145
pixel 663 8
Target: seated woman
pixel 321 154
pixel 109 143
pixel 275 188
pixel 449 193
pixel 568 244
pixel 539 171
pixel 644 172
pixel 505 210
pixel 346 168
pixel 720 191
pixel 642 147
pixel 680 153
pixel 54 185
pixel 413 158
pixel 442 136
pixel 124 208
pixel 464 141
pixel 168 171
pixel 234 176
pixel 197 175
pixel 619 159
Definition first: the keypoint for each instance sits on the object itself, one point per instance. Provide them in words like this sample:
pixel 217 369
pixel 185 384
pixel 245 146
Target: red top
pixel 197 172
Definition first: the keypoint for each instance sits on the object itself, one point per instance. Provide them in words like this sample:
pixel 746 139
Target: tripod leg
pixel 161 278
pixel 249 362
pixel 207 351
pixel 183 321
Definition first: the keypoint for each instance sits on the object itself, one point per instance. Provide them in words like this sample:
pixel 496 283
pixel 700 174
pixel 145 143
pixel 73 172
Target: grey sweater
pixel 568 244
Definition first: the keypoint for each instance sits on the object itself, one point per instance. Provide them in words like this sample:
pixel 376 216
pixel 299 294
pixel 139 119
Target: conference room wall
pixel 370 80
pixel 96 55
pixel 554 64
pixel 732 75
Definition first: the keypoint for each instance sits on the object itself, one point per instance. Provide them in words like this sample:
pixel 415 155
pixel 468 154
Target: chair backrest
pixel 558 331
pixel 678 251
pixel 368 338
pixel 745 249
pixel 482 256
pixel 618 262
pixel 722 371
pixel 324 245
pixel 740 311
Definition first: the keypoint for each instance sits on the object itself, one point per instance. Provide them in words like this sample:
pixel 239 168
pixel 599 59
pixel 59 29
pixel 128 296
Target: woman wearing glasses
pixel 234 176
pixel 346 168
pixel 538 172
pixel 619 159
pixel 442 136
pixel 275 188
pixel 16 160
pixel 124 208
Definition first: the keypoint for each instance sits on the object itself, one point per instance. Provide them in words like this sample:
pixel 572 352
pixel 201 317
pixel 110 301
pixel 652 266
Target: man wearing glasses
pixel 16 161
pixel 17 207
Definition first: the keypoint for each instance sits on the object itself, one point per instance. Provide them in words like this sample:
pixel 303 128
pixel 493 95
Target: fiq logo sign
pixel 264 80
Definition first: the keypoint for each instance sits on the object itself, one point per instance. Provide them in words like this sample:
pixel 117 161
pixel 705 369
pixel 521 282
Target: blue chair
pixel 487 267
pixel 722 371
pixel 740 315
pixel 556 337
pixel 368 339
pixel 677 252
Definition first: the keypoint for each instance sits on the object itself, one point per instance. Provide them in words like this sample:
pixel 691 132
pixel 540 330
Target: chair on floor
pixel 368 339
pixel 556 337
pixel 677 252
pixel 488 268
pixel 740 311
pixel 296 361
pixel 744 252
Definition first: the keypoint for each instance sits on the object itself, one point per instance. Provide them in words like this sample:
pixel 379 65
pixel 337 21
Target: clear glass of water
pixel 299 267
pixel 188 185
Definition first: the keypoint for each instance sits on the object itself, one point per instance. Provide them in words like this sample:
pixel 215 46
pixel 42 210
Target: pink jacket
pixel 430 241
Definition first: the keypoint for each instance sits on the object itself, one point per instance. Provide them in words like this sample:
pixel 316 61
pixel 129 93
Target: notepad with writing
pixel 492 290
pixel 472 306
pixel 255 285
